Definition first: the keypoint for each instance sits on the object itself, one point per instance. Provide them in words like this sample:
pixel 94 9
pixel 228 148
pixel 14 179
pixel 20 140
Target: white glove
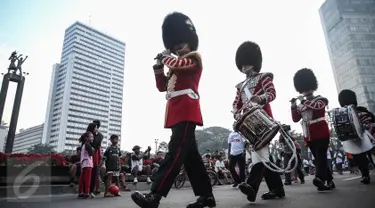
pixel 158 62
pixel 166 53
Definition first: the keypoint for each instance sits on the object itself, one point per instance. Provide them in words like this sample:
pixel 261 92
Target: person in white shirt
pixel 220 168
pixel 137 163
pixel 339 161
pixel 237 156
pixel 329 158
pixel 306 166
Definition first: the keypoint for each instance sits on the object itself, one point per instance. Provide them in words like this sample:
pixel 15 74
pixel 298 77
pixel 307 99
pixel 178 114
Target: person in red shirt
pixel 315 127
pixel 183 113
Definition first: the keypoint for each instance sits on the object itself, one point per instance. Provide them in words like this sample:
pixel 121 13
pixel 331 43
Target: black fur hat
pixel 347 97
pixel 249 54
pixel 97 122
pixel 305 80
pixel 178 28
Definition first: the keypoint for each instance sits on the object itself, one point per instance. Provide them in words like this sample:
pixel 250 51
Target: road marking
pixel 352 178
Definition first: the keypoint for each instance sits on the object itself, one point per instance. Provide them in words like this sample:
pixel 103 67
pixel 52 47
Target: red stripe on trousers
pixel 175 159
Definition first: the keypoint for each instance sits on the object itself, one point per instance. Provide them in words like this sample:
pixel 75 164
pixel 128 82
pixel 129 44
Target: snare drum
pixel 257 127
pixel 346 123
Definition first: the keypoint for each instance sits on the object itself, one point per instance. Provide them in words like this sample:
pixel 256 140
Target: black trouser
pixel 94 175
pixel 273 179
pixel 319 150
pixel 241 161
pixel 288 177
pixel 307 170
pixel 182 150
pixel 362 162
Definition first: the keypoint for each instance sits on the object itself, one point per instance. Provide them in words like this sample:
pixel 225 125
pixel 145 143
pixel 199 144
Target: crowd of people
pixel 92 166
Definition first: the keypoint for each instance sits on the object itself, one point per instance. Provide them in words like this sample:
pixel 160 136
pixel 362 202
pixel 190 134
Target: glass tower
pixel 349 29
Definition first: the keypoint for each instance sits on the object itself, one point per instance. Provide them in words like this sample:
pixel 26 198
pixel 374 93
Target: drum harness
pixel 266 162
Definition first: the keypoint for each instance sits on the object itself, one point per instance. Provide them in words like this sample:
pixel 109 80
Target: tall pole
pixel 15 114
pixel 3 94
pixel 156 145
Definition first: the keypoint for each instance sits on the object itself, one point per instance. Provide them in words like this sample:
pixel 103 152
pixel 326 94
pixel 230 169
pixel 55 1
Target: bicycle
pixel 182 178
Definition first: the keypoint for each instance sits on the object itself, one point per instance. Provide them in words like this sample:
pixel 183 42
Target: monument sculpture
pixel 14 74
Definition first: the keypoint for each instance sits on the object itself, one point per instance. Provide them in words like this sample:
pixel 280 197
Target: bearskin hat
pixel 178 28
pixel 305 80
pixel 347 97
pixel 249 54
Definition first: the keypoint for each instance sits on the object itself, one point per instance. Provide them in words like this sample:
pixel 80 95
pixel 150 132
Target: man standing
pixel 183 114
pixel 237 156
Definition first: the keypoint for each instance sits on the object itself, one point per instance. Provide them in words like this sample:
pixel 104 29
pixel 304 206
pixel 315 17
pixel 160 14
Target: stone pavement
pixel 350 193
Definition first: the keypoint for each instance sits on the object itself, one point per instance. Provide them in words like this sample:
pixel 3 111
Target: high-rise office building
pixel 349 29
pixel 27 138
pixel 87 84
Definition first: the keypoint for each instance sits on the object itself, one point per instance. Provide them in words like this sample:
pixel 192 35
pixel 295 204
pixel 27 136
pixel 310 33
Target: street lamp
pixel 156 145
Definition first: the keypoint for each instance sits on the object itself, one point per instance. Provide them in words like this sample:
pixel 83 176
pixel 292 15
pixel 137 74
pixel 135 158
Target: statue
pixel 21 60
pixel 12 66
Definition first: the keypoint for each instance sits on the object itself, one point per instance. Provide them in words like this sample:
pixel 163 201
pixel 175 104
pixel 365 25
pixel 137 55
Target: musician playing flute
pixel 183 114
pixel 360 147
pixel 257 88
pixel 316 133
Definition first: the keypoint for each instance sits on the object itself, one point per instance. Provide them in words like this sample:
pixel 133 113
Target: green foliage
pixel 212 139
pixel 163 147
pixel 40 149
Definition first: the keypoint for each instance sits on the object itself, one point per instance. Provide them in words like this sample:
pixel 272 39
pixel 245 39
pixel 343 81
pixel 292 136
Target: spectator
pixel 339 161
pixel 96 144
pixel 220 168
pixel 137 163
pixel 75 168
pixel 157 161
pixel 237 156
pixel 112 163
pixel 306 166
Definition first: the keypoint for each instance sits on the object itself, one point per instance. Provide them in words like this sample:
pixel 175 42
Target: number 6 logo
pixel 23 177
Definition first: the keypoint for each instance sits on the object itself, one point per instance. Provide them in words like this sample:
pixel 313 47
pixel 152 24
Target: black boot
pixel 320 185
pixel 248 191
pixel 331 185
pixel 203 201
pixel 365 180
pixel 150 200
pixel 274 194
pixel 287 183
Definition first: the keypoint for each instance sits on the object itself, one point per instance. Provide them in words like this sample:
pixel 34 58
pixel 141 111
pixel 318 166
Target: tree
pixel 163 147
pixel 40 149
pixel 212 139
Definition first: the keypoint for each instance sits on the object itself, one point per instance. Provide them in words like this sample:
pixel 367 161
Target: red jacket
pixel 313 113
pixel 184 73
pixel 260 85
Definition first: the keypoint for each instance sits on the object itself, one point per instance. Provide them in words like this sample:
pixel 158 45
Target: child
pixel 86 165
pixel 112 163
pixel 358 148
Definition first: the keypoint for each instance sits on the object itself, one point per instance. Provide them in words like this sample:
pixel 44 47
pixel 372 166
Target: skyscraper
pixel 87 84
pixel 349 29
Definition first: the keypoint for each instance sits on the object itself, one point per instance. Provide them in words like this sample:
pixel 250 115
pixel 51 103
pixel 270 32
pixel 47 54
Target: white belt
pixel 188 92
pixel 317 120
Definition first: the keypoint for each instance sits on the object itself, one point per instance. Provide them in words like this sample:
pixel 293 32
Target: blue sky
pixel 289 33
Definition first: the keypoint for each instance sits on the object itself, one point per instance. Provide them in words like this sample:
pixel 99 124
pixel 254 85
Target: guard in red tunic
pixel 311 112
pixel 183 114
pixel 257 88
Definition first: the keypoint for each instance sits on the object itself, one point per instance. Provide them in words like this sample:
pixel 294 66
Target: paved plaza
pixel 350 193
